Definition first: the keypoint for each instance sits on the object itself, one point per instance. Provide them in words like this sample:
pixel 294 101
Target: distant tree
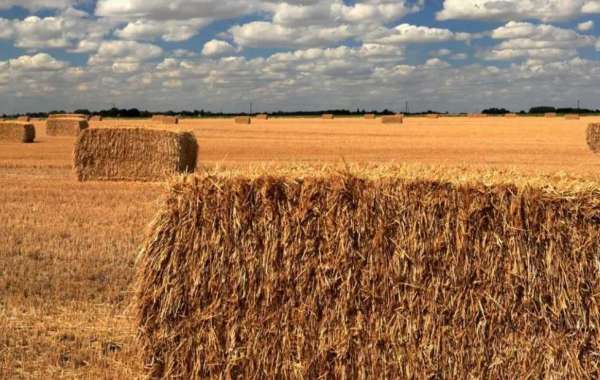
pixel 542 109
pixel 83 111
pixel 495 111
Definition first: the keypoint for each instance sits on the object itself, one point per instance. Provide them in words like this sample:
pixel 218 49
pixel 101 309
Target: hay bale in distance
pixel 380 278
pixel 478 115
pixel 510 115
pixel 133 154
pixel 24 118
pixel 262 116
pixel 243 120
pixel 432 116
pixel 392 119
pixel 165 119
pixel 68 116
pixel 65 127
pixel 96 118
pixel 572 117
pixel 370 116
pixel 593 137
pixel 550 114
pixel 327 116
pixel 11 131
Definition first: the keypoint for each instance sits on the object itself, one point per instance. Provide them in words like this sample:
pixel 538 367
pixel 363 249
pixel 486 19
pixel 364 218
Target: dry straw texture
pixel 126 154
pixel 262 116
pixel 346 277
pixel 65 127
pixel 370 116
pixel 593 137
pixel 165 119
pixel 572 117
pixel 243 120
pixel 17 132
pixel 23 118
pixel 327 116
pixel 392 119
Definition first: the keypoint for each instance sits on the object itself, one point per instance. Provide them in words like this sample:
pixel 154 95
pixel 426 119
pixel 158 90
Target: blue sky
pixel 445 55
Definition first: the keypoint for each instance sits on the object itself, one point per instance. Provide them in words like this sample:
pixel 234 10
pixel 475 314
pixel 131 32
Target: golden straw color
pixel 343 276
pixel 572 117
pixel 262 116
pixel 550 114
pixel 392 119
pixel 477 115
pixel 65 127
pixel 24 118
pixel 68 116
pixel 242 120
pixel 370 116
pixel 593 137
pixel 510 115
pixel 327 116
pixel 133 154
pixel 432 116
pixel 11 131
pixel 165 119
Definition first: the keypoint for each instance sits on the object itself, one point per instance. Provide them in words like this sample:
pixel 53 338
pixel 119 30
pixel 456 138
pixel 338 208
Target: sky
pixel 222 55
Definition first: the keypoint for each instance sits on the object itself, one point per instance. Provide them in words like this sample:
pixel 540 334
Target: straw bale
pixel 65 127
pixel 262 116
pixel 165 119
pixel 572 117
pixel 550 114
pixel 392 119
pixel 510 115
pixel 370 116
pixel 348 277
pixel 327 116
pixel 243 120
pixel 133 154
pixel 11 131
pixel 432 116
pixel 24 118
pixel 68 116
pixel 593 137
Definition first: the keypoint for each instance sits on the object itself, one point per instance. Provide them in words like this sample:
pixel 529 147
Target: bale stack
pixel 344 277
pixel 11 131
pixel 165 119
pixel 243 120
pixel 24 118
pixel 370 116
pixel 126 154
pixel 593 137
pixel 327 116
pixel 550 114
pixel 65 127
pixel 262 116
pixel 392 119
pixel 572 117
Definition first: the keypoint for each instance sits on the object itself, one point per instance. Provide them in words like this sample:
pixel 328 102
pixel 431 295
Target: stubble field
pixel 67 249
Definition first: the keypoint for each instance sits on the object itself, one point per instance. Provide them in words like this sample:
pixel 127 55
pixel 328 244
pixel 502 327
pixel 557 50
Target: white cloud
pixel 217 48
pixel 585 26
pixel 406 34
pixel 38 62
pixel 36 5
pixel 169 30
pixel 507 10
pixel 125 51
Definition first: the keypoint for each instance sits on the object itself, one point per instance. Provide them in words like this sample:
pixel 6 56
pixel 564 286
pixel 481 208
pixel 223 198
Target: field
pixel 67 249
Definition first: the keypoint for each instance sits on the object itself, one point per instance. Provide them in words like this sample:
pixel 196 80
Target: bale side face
pixel 593 137
pixel 65 127
pixel 348 278
pixel 17 132
pixel 510 115
pixel 243 120
pixel 122 154
pixel 395 119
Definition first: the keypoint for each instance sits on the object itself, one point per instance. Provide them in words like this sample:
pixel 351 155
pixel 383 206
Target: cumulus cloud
pixel 170 30
pixel 515 9
pixel 36 5
pixel 124 52
pixel 406 34
pixel 585 26
pixel 217 48
pixel 38 62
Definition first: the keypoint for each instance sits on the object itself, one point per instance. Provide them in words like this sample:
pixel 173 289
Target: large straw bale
pixel 550 114
pixel 65 127
pixel 16 131
pixel 243 120
pixel 392 119
pixel 133 154
pixel 24 118
pixel 262 116
pixel 370 116
pixel 327 116
pixel 572 117
pixel 593 137
pixel 345 277
pixel 165 119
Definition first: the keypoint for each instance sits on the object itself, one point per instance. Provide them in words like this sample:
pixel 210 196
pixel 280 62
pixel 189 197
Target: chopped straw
pixel 346 276
pixel 11 131
pixel 133 154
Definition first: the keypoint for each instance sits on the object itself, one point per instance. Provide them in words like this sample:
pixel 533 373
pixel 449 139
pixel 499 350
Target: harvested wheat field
pixel 66 302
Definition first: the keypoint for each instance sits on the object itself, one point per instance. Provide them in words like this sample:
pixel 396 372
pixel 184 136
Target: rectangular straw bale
pixel 550 114
pixel 262 116
pixel 16 131
pixel 24 118
pixel 65 127
pixel 133 154
pixel 392 119
pixel 337 276
pixel 370 116
pixel 96 118
pixel 432 116
pixel 593 137
pixel 478 115
pixel 327 116
pixel 165 119
pixel 243 120
pixel 510 115
pixel 68 116
pixel 572 117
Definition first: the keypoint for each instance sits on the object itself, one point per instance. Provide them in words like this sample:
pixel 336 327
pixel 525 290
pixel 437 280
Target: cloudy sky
pixel 446 55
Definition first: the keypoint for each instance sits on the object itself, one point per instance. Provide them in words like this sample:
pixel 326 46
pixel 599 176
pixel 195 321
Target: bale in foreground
pixel 392 119
pixel 123 154
pixel 65 127
pixel 343 277
pixel 17 132
pixel 593 137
